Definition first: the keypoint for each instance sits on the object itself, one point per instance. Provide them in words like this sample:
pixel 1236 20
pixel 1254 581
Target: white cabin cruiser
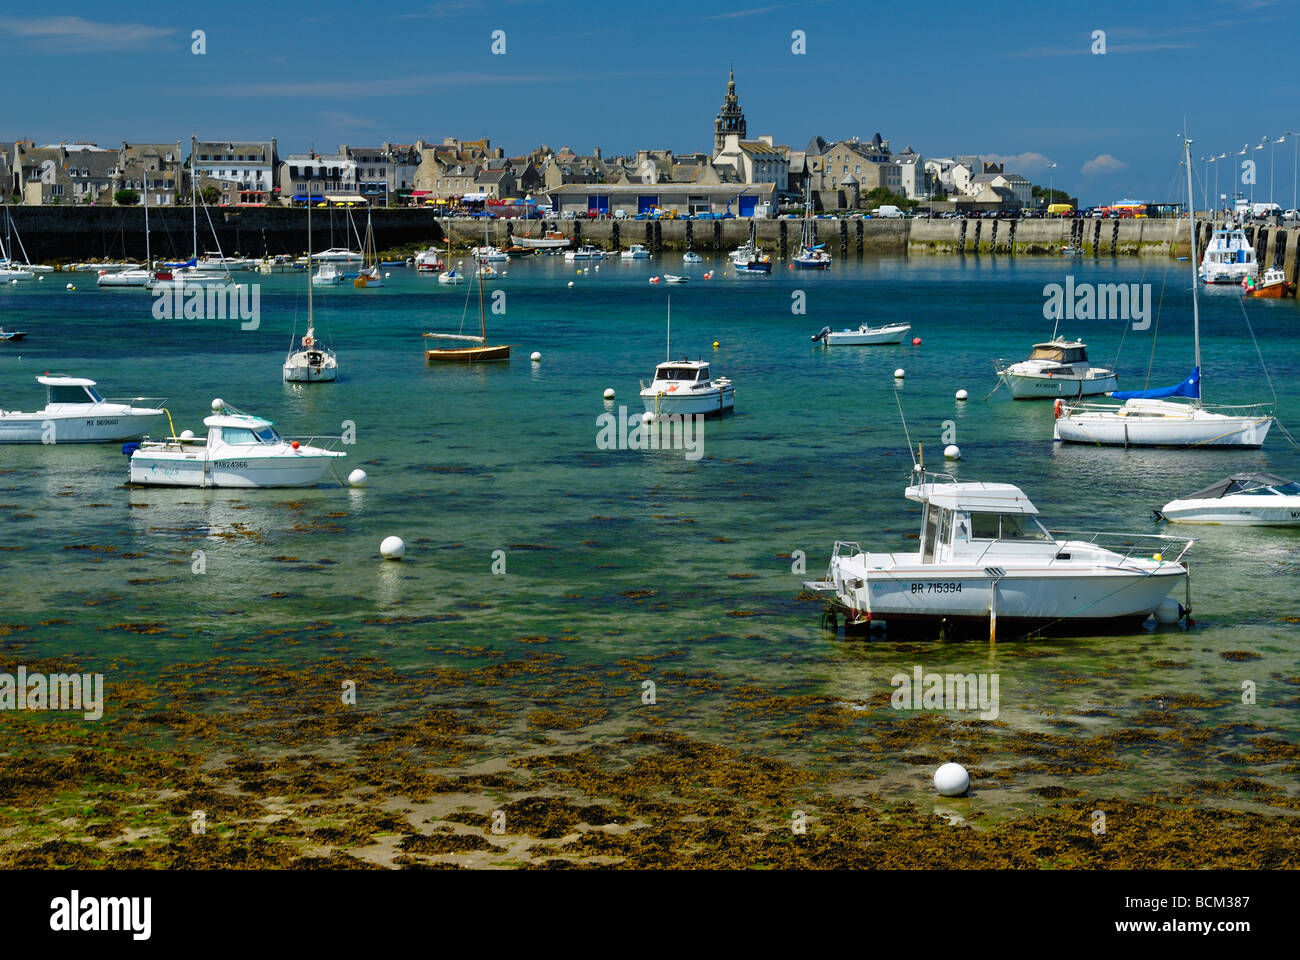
pixel 312 363
pixel 338 255
pixel 1248 499
pixel 984 559
pixel 1229 257
pixel 690 256
pixel 489 254
pixel 1058 368
pixel 239 451
pixel 864 335
pixel 638 251
pixel 585 252
pixel 76 413
pixel 685 387
pixel 428 261
pixel 327 275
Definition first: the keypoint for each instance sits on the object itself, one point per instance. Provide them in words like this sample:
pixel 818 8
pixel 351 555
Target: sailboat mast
pixel 194 206
pixel 148 252
pixel 1191 229
pixel 310 315
pixel 482 317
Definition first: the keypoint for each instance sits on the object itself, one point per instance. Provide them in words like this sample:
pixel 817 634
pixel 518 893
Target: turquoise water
pixel 467 461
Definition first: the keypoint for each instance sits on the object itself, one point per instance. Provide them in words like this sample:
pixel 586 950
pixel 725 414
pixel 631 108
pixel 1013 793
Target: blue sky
pixel 1017 80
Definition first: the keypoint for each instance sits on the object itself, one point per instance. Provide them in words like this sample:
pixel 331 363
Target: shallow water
pixel 631 553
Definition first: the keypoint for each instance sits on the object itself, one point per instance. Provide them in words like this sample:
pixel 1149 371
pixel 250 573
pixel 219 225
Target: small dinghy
pixel 1244 499
pixel 863 335
pixel 673 278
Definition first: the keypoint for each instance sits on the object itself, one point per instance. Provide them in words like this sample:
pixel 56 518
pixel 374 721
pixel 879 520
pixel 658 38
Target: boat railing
pixel 1132 543
pixel 1242 409
pixel 325 443
pixel 153 402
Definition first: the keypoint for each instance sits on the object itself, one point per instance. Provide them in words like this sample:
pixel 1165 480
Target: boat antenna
pixel 911 452
pixel 668 348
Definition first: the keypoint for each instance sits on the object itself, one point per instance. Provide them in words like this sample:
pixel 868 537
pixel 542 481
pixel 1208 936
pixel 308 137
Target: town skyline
pixel 1108 121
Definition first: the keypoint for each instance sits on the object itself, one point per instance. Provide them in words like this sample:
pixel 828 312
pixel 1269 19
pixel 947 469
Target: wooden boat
pixel 479 351
pixel 1274 285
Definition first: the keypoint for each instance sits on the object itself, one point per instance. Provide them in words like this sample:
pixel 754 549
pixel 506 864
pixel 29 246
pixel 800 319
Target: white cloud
pixel 1022 163
pixel 1103 164
pixel 68 34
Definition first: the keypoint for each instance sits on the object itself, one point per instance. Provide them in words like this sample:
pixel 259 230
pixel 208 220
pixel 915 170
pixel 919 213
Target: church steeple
pixel 730 119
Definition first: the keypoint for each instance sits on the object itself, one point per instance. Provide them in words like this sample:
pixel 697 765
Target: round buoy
pixel 951 780
pixel 388 276
pixel 357 477
pixel 1169 611
pixel 654 279
pixel 900 373
pixel 570 283
pixel 71 287
pixel 715 344
pixel 536 357
pixel 916 341
pixel 393 547
pixel 961 394
pixel 609 393
pixel 952 452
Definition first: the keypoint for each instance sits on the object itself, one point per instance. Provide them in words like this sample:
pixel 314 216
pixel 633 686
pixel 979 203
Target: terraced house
pixel 153 168
pixel 64 172
pixel 243 170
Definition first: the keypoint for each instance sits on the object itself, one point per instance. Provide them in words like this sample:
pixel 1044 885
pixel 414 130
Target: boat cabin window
pixel 266 435
pixel 1007 526
pixel 930 533
pixel 682 373
pixel 67 394
pixel 240 435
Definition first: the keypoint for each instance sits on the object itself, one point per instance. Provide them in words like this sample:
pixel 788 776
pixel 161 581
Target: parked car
pixel 1292 214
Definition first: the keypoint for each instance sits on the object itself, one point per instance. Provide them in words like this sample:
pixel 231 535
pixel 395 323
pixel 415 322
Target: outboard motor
pixel 821 334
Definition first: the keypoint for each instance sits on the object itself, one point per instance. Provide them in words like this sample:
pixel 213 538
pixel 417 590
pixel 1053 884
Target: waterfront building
pixel 730 118
pixel 334 177
pixel 384 173
pixel 754 161
pixel 250 168
pixel 153 168
pixel 64 172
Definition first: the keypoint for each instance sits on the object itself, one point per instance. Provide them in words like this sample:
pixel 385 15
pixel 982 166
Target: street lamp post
pixel 1051 180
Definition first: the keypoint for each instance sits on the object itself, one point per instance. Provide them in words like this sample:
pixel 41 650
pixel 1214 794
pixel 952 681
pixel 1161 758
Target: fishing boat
pixel 638 251
pixel 327 275
pixel 370 275
pixel 75 413
pixel 312 361
pixel 430 260
pixel 1273 284
pixel 585 252
pixel 552 241
pixel 684 387
pixel 864 335
pixel 749 257
pixel 1154 418
pixel 7 336
pixel 812 255
pixel 239 451
pixel 673 278
pixel 1229 257
pixel 985 561
pixel 479 351
pixel 691 256
pixel 1247 499
pixel 1058 368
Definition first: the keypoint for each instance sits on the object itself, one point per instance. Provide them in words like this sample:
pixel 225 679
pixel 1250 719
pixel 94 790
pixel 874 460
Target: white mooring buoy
pixel 536 356
pixel 961 394
pixel 951 780
pixel 609 393
pixel 392 548
pixel 900 373
pixel 357 477
pixel 952 452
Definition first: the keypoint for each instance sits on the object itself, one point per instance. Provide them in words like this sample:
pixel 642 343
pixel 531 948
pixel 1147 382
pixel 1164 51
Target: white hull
pixel 1158 423
pixel 165 469
pixel 1229 273
pixel 183 278
pixel 1202 511
pixel 543 243
pixel 127 278
pixel 706 402
pixel 450 278
pixel 1032 386
pixel 104 424
pixel 335 255
pixel 9 273
pixel 894 333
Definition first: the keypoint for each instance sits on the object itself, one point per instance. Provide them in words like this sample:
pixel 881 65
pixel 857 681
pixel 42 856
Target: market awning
pixel 345 198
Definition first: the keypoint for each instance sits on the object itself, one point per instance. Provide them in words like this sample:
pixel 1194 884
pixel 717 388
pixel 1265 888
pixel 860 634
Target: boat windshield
pixel 1007 526
pixel 1060 354
pixel 682 373
pixel 74 394
pixel 242 435
pixel 1281 489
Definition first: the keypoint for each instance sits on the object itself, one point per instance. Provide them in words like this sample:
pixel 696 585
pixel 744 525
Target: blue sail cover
pixel 1191 387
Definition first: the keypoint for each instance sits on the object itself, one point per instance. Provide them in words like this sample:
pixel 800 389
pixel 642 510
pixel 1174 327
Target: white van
pixel 888 211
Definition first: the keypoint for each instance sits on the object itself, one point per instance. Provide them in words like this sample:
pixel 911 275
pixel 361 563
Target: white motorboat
pixel 864 335
pixel 8 273
pixel 585 252
pixel 690 256
pixel 239 451
pixel 1151 418
pixel 552 241
pixel 75 413
pixel 429 261
pixel 638 251
pixel 489 254
pixel 279 264
pixel 984 559
pixel 749 258
pixel 327 275
pixel 684 387
pixel 1248 499
pixel 312 362
pixel 214 263
pixel 337 255
pixel 124 278
pixel 1058 368
pixel 1229 257
pixel 189 277
pixel 673 278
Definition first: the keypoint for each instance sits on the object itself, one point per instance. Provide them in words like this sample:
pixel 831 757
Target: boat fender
pixel 1056 409
pixel 129 448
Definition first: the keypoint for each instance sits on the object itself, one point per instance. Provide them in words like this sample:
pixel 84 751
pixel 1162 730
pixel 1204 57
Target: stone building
pixel 730 118
pixel 155 168
pixel 251 166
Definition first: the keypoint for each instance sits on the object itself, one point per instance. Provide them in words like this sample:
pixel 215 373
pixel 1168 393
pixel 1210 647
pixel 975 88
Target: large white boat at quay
pixel 75 413
pixel 1166 416
pixel 1058 368
pixel 1229 257
pixel 985 563
pixel 239 451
